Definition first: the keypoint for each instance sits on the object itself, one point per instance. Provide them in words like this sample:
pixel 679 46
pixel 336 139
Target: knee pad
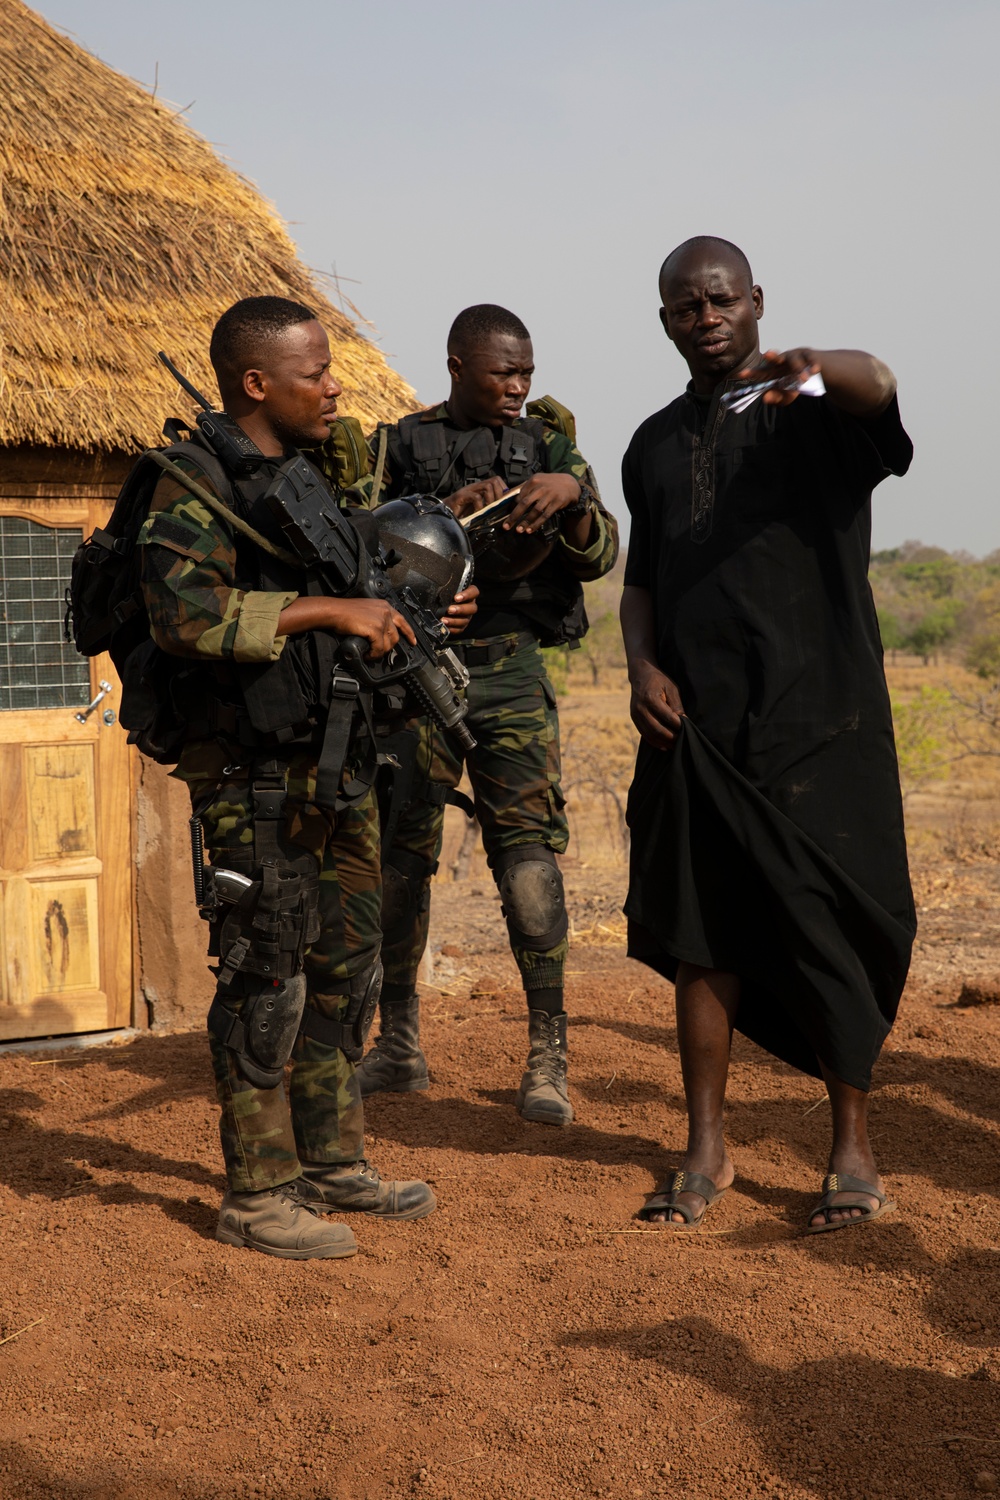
pixel 531 894
pixel 349 1033
pixel 263 1032
pixel 404 891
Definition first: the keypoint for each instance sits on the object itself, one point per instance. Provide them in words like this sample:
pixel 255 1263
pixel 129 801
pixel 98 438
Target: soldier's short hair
pixel 240 335
pixel 704 241
pixel 475 325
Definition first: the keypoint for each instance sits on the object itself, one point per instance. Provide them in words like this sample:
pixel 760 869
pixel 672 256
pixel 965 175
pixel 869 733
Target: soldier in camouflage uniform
pixel 236 634
pixel 468 451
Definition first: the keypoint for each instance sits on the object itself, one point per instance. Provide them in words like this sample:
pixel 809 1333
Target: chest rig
pixel 436 458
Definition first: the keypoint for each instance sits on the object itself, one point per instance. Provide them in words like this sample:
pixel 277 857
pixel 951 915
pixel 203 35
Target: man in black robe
pixel 769 877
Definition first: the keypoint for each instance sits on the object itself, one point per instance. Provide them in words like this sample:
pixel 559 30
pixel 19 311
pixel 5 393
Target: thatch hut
pixel 121 233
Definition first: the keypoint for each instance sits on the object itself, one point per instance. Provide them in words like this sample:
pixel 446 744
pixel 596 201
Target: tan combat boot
pixel 280 1222
pixel 543 1095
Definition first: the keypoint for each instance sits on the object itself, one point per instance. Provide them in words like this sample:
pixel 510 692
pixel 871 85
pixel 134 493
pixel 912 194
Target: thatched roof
pixel 122 232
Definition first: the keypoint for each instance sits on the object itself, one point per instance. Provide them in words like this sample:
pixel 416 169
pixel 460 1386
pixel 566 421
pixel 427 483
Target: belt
pixel 483 653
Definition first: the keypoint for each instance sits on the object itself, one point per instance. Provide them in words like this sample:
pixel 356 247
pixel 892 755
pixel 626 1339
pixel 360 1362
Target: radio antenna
pixel 185 384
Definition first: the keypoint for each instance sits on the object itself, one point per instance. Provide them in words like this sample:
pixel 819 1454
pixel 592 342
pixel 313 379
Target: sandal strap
pixel 690 1182
pixel 668 1201
pixel 678 1182
pixel 843 1182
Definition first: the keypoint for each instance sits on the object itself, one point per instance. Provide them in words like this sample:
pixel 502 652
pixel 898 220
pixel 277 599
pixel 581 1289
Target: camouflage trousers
pixel 514 771
pixel 265 1132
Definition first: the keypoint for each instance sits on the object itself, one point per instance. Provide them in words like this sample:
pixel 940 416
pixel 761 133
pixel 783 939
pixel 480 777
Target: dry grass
pixel 121 233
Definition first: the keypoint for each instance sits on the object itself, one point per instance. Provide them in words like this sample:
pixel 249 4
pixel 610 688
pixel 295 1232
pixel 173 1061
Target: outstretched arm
pixel 856 382
pixel 656 706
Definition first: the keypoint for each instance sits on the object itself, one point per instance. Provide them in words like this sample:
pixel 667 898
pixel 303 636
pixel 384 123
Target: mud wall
pixel 173 984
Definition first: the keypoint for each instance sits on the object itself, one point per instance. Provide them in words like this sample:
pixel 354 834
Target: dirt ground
pixel 521 1342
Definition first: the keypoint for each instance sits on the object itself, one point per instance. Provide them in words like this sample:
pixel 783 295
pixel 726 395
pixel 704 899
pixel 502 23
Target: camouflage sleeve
pixel 600 556
pixel 188 571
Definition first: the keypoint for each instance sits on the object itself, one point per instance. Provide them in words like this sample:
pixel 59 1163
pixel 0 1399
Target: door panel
pixel 65 795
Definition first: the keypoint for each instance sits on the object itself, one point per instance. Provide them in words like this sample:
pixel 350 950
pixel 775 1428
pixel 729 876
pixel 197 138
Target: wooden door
pixel 65 795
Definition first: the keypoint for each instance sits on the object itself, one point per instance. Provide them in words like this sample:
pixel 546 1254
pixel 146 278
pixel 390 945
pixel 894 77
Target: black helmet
pixel 427 548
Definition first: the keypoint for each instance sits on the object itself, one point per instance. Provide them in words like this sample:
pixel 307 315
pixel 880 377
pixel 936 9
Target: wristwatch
pixel 584 505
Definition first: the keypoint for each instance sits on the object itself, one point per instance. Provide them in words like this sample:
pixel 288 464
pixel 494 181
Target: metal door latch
pixel 84 714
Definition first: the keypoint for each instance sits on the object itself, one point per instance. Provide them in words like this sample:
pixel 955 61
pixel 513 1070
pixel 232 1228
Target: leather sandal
pixel 667 1194
pixel 840 1182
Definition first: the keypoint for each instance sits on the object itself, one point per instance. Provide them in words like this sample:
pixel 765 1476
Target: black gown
pixel 768 842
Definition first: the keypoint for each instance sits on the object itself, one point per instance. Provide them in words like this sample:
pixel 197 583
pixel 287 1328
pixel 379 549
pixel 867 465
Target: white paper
pixel 743 396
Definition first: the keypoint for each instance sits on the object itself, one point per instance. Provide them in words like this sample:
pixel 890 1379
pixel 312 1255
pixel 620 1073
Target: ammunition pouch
pixel 351 1031
pixel 533 900
pixel 262 1033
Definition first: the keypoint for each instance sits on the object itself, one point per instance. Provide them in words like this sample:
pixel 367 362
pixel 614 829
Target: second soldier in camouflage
pixel 469 451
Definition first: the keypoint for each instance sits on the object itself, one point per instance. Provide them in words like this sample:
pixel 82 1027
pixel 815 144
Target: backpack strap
pixel 383 448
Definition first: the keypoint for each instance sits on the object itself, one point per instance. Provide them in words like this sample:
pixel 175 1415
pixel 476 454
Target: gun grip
pixel 354 648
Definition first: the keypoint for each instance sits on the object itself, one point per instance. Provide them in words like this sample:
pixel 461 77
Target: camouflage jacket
pixel 197 602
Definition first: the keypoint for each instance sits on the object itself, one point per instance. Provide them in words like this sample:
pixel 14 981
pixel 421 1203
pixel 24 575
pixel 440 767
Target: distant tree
pixel 932 630
pixel 982 656
pixel 922 728
pixel 936 576
pixel 982 652
pixel 890 630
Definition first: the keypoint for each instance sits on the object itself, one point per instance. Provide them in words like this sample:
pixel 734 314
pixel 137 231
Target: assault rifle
pixel 322 537
pixel 325 539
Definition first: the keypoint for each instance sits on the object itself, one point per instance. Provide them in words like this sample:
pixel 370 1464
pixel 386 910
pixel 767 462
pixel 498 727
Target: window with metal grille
pixel 37 667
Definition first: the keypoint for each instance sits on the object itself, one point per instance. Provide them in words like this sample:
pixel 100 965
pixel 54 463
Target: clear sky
pixel 546 154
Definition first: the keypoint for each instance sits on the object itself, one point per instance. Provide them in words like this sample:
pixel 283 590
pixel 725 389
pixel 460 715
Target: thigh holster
pixel 351 1031
pixel 531 893
pixel 263 909
pixel 405 878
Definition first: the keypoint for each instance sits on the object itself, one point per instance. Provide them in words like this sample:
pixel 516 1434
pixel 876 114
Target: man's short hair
pixel 474 326
pixel 704 241
pixel 241 335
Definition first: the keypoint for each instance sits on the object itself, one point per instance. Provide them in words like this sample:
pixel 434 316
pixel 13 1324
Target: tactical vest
pixel 167 700
pixel 433 458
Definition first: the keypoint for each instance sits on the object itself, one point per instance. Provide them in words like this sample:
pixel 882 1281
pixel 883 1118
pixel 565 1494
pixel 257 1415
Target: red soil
pixel 517 1343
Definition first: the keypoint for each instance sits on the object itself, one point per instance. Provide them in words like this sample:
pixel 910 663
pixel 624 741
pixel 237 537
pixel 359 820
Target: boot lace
pixel 295 1195
pixel 551 1063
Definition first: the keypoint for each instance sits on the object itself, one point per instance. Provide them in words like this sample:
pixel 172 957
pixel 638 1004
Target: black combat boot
pixel 395 1064
pixel 542 1095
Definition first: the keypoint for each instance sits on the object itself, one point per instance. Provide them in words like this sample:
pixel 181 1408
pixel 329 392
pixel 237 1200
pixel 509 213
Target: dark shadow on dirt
pixel 496 1130
pixel 53 1163
pixel 648 1033
pixel 964 1298
pixel 825 1425
pixel 24 1476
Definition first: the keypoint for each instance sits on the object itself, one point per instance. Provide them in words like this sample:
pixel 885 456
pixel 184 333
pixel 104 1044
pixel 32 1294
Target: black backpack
pixel 105 609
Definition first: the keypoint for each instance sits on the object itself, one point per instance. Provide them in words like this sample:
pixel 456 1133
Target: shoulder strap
pixel 383 448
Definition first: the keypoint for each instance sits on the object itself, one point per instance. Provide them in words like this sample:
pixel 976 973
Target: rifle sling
pixel 216 505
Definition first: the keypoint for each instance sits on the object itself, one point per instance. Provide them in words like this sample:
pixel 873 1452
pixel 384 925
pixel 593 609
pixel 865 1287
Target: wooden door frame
pixel 76 507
